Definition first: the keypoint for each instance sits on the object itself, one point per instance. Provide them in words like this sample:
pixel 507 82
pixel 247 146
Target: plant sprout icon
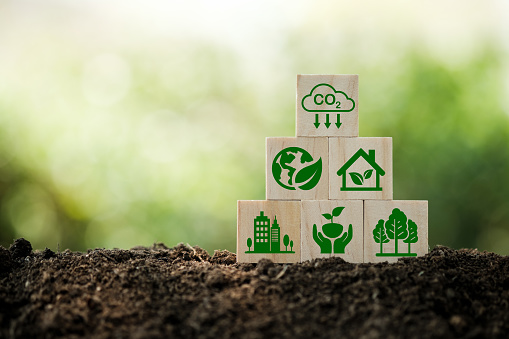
pixel 331 232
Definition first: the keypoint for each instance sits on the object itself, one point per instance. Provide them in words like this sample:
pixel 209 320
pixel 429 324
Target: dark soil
pixel 179 292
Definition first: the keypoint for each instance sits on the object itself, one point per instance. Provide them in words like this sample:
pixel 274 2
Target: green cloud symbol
pixel 324 98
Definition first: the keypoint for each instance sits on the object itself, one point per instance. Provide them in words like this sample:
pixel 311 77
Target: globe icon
pixel 294 168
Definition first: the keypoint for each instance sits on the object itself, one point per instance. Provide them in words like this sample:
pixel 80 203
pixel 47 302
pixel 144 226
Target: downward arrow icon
pixel 327 123
pixel 316 121
pixel 338 121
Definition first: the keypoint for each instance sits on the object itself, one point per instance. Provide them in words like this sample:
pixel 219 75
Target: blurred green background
pixel 125 123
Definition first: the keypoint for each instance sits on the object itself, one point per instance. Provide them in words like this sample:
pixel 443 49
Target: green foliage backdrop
pixel 112 144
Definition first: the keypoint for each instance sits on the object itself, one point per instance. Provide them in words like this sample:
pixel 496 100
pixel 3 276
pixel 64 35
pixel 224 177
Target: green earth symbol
pixel 294 168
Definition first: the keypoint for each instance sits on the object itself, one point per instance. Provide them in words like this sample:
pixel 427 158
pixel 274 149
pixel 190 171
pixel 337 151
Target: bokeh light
pixel 125 123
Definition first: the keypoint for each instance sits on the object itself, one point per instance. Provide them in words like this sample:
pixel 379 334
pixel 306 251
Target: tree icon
pixel 249 243
pixel 291 245
pixel 397 227
pixel 286 240
pixel 412 234
pixel 379 234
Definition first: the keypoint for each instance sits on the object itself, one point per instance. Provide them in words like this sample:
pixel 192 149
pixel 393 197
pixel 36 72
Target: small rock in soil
pixel 47 253
pixel 20 248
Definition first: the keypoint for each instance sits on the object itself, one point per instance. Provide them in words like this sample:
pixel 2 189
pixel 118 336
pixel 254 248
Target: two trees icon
pixel 286 242
pixel 397 227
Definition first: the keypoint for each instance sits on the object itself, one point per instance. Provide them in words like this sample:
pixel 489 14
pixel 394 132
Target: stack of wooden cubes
pixel 329 192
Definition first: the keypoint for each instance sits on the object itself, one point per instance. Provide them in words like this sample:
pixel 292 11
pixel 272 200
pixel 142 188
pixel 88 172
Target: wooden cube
pixel 332 228
pixel 268 229
pixel 395 229
pixel 360 168
pixel 327 105
pixel 297 168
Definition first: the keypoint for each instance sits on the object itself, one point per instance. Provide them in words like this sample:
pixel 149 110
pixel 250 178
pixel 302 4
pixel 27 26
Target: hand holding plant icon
pixel 332 231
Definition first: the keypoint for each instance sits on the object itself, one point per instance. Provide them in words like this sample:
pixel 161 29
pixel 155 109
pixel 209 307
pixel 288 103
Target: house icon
pixel 370 159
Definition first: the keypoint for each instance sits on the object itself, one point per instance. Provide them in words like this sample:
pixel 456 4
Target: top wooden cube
pixel 327 105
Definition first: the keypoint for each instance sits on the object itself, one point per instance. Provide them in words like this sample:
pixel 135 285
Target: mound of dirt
pixel 182 292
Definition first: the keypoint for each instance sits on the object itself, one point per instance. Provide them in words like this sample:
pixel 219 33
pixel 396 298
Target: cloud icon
pixel 324 98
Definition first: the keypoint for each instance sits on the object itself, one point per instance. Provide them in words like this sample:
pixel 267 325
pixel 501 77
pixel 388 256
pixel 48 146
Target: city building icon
pixel 261 234
pixel 275 234
pixel 267 239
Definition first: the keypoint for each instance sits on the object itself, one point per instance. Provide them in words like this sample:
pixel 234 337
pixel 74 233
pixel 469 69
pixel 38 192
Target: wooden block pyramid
pixel 329 192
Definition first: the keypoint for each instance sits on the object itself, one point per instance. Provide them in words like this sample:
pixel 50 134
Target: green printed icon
pixel 294 168
pixel 360 180
pixel 332 234
pixel 324 98
pixel 267 239
pixel 396 228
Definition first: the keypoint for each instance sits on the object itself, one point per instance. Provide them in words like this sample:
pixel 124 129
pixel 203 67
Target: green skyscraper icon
pixel 261 233
pixel 275 237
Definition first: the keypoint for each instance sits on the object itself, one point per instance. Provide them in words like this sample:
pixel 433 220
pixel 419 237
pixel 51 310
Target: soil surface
pixel 182 292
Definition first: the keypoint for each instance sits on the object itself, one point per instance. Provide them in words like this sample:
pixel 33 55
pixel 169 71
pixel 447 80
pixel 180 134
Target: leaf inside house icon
pixel 359 181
